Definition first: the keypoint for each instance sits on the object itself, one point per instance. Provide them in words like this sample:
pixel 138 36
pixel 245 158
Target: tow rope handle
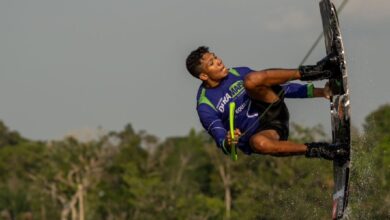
pixel 233 150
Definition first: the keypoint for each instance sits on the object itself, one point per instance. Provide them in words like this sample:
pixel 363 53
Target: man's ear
pixel 203 76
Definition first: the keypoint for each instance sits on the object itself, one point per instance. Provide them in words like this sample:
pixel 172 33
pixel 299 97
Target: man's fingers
pixel 327 91
pixel 237 135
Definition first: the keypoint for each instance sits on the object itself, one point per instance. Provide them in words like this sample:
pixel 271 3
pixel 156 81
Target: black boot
pixel 326 150
pixel 324 69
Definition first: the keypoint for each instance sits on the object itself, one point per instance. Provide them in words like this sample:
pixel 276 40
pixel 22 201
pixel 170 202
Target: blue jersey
pixel 213 106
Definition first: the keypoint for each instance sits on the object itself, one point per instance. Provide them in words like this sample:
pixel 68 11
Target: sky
pixel 73 66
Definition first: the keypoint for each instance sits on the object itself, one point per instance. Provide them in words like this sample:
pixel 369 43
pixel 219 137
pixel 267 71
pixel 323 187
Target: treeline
pixel 131 175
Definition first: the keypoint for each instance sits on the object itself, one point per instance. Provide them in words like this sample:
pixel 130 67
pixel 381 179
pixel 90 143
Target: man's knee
pixel 262 144
pixel 254 80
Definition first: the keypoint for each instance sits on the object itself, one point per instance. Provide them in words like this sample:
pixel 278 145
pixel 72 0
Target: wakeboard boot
pixel 324 69
pixel 328 151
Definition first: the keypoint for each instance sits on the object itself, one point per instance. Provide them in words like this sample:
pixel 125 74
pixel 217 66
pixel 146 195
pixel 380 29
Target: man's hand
pixel 327 91
pixel 229 141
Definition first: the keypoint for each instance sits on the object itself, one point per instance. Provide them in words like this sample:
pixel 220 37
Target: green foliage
pixel 16 162
pixel 200 207
pixel 130 175
pixel 7 137
pixel 377 125
pixel 307 134
pixel 370 197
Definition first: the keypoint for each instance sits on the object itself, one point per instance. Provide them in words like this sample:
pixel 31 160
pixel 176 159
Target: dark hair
pixel 193 60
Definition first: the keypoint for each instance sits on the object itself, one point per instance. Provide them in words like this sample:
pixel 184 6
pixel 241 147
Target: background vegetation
pixel 131 175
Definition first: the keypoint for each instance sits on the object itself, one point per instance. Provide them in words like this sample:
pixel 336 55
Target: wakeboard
pixel 339 107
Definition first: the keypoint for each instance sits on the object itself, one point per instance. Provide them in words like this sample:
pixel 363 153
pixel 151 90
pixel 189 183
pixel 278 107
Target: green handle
pixel 233 150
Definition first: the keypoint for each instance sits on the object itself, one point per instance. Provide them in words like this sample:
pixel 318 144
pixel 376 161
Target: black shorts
pixel 275 115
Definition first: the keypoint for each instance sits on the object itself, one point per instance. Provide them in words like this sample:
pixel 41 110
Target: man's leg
pixel 258 84
pixel 267 142
pixel 270 77
pixel 260 81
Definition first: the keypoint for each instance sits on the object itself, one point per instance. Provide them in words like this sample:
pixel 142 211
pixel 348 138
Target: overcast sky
pixel 79 64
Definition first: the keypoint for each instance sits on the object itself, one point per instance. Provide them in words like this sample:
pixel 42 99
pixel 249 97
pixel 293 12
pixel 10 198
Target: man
pixel 261 116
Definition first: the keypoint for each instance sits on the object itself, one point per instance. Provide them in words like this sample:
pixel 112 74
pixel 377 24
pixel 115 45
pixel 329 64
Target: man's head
pixel 204 65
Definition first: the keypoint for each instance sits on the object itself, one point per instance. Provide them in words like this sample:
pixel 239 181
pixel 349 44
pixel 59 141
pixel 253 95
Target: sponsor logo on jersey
pixel 223 102
pixel 241 107
pixel 236 88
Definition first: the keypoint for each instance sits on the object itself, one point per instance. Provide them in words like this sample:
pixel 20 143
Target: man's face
pixel 212 68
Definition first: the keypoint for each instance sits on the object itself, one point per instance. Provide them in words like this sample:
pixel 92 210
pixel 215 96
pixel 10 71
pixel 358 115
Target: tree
pixel 370 197
pixel 9 138
pixel 70 170
pixel 115 195
pixel 377 125
pixel 16 194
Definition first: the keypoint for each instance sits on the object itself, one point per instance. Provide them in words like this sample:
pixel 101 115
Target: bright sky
pixel 80 64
